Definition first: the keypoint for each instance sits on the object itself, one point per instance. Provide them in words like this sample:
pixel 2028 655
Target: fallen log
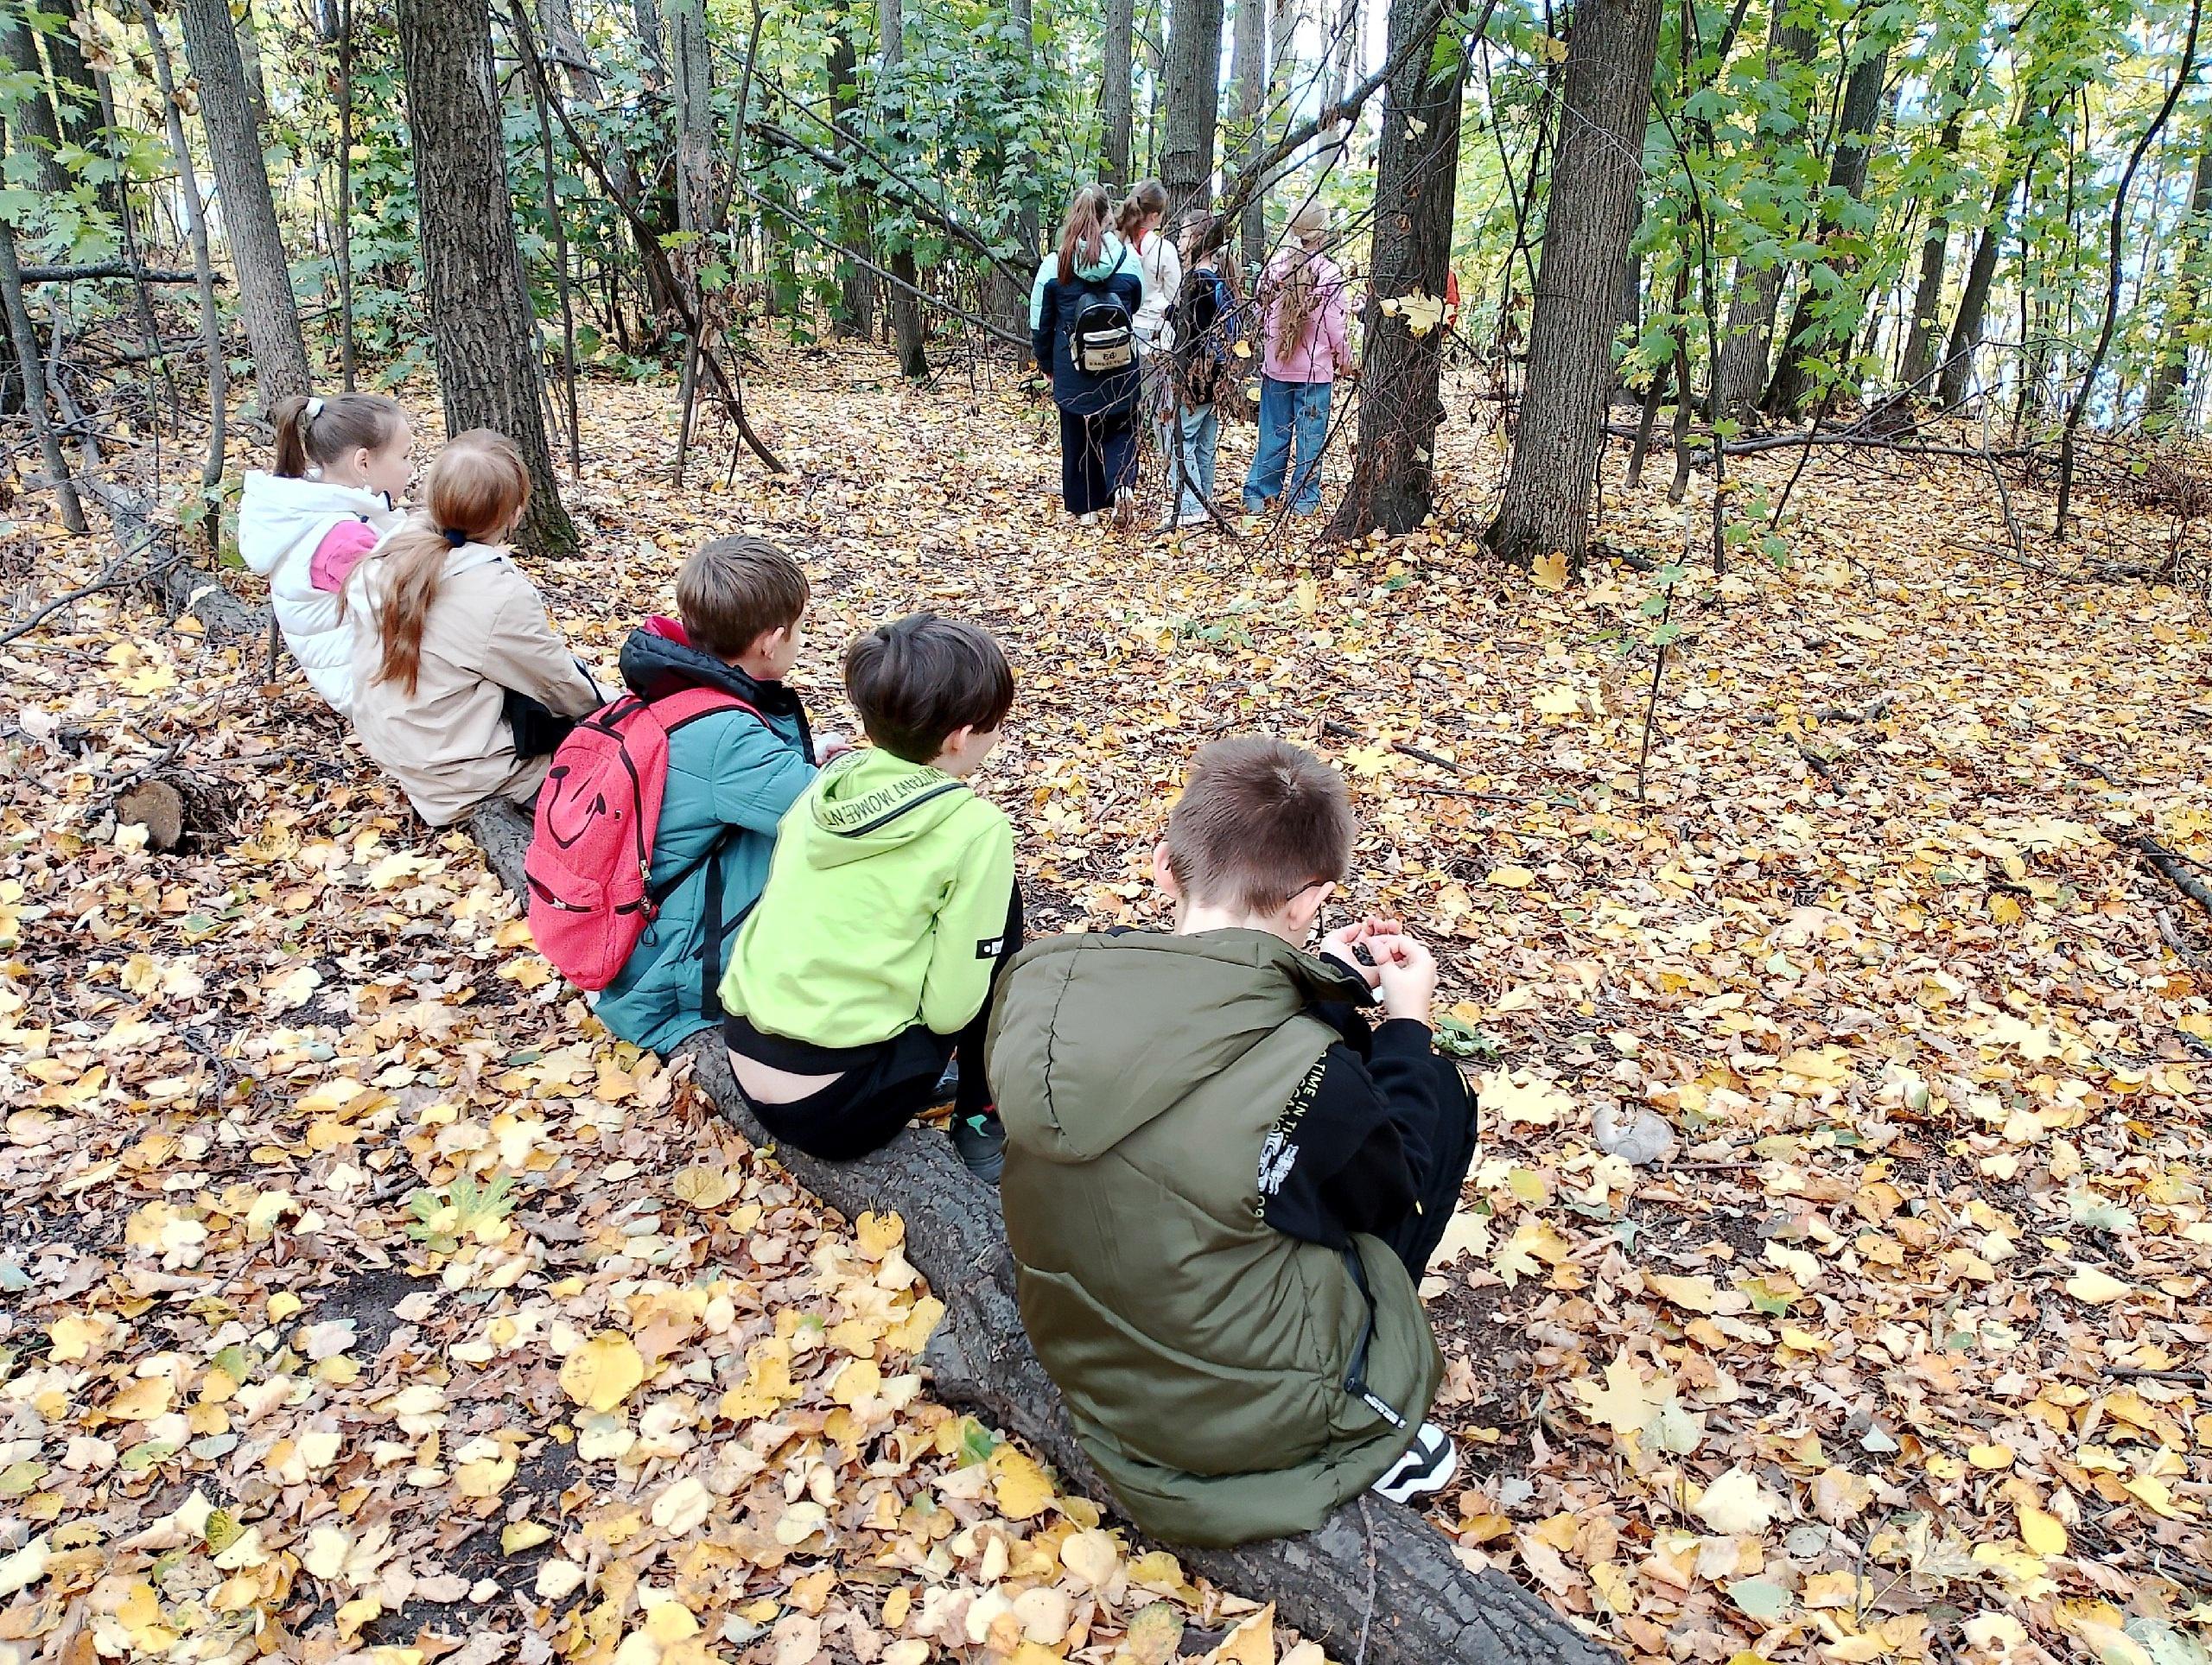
pixel 1376 1583
pixel 108 269
pixel 181 588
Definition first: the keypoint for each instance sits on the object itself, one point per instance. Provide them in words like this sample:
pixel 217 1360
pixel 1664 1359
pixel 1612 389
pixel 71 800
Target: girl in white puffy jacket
pixel 341 465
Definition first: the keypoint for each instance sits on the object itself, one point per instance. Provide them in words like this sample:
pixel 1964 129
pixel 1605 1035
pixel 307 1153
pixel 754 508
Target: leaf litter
pixel 365 1301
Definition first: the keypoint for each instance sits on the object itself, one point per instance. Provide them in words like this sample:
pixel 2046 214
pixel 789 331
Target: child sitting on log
pixel 868 964
pixel 1222 1185
pixel 461 686
pixel 734 767
pixel 342 464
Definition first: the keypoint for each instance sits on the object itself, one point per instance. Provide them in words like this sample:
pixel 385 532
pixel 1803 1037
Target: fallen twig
pixel 2169 867
pixel 1343 731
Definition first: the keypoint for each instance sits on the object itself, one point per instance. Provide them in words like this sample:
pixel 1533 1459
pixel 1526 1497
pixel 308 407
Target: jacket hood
pixel 1123 1025
pixel 276 513
pixel 869 800
pixel 659 660
pixel 1111 251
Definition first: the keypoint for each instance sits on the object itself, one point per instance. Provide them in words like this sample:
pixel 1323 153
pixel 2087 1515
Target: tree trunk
pixel 211 322
pixel 1341 52
pixel 1957 370
pixel 77 99
pixel 694 124
pixel 490 371
pixel 1248 63
pixel 1415 172
pixel 1919 364
pixel 1611 45
pixel 647 15
pixel 1013 297
pixel 565 46
pixel 2170 373
pixel 265 300
pixel 1811 336
pixel 1191 92
pixel 1746 344
pixel 257 86
pixel 853 313
pixel 905 308
pixel 24 336
pixel 32 122
pixel 1116 109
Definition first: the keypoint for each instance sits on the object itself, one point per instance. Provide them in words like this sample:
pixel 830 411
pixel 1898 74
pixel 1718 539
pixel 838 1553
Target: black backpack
pixel 1103 338
pixel 1204 323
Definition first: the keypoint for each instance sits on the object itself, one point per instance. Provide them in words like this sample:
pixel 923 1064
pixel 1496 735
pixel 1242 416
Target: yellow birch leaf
pixel 600 1373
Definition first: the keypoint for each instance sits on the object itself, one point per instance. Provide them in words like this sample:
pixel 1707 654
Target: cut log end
pixel 1375 1570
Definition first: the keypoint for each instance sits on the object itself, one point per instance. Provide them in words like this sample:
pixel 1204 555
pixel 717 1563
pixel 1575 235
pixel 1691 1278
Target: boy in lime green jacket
pixel 868 962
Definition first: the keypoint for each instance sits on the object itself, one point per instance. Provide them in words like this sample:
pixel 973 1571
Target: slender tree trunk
pixel 24 336
pixel 906 309
pixel 265 300
pixel 211 321
pixel 2170 376
pixel 76 95
pixel 558 227
pixel 1611 45
pixel 2114 270
pixel 1342 51
pixel 32 121
pixel 1956 372
pixel 256 85
pixel 1811 337
pixel 490 368
pixel 854 315
pixel 1193 98
pixel 1919 365
pixel 1116 108
pixel 695 123
pixel 645 13
pixel 1416 171
pixel 1012 298
pixel 345 215
pixel 1746 344
pixel 565 46
pixel 1248 63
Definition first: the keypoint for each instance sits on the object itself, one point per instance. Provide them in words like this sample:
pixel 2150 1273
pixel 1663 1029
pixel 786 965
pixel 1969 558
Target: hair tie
pixel 453 536
pixel 314 409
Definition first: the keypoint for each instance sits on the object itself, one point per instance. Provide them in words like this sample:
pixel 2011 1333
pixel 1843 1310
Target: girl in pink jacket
pixel 1305 352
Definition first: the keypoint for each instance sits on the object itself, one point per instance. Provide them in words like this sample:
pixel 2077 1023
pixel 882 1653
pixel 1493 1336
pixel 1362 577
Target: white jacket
pixel 1161 268
pixel 282 521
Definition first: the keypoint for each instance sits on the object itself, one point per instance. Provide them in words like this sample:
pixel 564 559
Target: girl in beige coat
pixel 449 632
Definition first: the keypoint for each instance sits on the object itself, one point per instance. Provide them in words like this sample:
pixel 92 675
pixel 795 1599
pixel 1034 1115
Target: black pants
pixel 1098 457
pixel 1451 1153
pixel 882 1087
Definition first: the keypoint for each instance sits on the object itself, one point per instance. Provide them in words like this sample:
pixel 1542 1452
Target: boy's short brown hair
pixel 916 681
pixel 1259 821
pixel 734 590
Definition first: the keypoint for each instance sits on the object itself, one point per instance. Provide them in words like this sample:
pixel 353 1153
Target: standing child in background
pixel 1160 270
pixel 734 768
pixel 890 904
pixel 1304 335
pixel 342 464
pixel 1082 329
pixel 1202 329
pixel 463 687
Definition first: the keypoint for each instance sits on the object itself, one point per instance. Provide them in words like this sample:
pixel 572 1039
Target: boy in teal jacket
pixel 889 908
pixel 731 776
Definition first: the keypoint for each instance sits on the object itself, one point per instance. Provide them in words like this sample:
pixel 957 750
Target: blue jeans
pixel 1292 414
pixel 1200 428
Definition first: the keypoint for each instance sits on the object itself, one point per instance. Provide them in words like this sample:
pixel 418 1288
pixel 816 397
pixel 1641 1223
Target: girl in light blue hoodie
pixel 1073 301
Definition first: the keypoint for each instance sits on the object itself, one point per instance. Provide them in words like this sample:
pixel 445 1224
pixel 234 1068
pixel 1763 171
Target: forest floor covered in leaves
pixel 359 1294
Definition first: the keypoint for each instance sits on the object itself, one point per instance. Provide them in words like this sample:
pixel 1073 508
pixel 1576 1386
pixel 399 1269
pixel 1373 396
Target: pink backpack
pixel 591 856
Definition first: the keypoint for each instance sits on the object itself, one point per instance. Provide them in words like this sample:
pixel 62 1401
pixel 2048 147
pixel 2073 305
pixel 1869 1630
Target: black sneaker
pixel 980 1140
pixel 1425 1470
pixel 948 1085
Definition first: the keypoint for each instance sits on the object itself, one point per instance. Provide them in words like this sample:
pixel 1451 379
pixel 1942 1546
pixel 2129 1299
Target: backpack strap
pixel 688 705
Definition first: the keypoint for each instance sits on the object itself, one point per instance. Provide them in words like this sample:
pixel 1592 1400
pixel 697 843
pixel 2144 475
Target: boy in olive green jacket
pixel 868 964
pixel 1222 1185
